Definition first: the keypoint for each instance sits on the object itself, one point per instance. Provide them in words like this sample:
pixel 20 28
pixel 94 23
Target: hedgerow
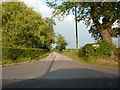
pixel 14 54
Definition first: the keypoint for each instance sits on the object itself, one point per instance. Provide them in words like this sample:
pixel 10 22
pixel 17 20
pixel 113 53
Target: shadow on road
pixel 67 78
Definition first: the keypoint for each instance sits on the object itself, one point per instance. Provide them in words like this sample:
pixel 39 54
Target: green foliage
pixel 22 27
pixel 104 50
pixel 50 35
pixel 14 54
pixel 61 43
pixel 50 22
pixel 88 50
pixel 91 13
pixel 115 32
pixel 73 54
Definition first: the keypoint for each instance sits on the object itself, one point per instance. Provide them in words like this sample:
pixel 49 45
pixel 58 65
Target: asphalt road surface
pixel 58 71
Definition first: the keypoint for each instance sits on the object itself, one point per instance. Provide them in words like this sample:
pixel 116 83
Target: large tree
pixel 23 27
pixel 100 16
pixel 50 27
pixel 61 42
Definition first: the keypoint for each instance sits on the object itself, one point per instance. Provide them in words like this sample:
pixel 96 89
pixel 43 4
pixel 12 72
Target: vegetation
pixel 28 36
pixel 100 16
pixel 24 28
pixel 61 43
pixel 97 50
pixel 25 34
pixel 73 54
pixel 95 53
pixel 16 55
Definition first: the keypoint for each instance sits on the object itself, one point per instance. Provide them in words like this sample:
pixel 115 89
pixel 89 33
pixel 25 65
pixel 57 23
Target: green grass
pixel 42 56
pixel 74 55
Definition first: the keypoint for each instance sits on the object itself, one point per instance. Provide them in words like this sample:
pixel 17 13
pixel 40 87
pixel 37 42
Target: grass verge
pixel 104 62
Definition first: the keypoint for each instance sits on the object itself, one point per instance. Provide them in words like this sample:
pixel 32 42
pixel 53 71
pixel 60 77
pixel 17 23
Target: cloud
pixel 69 18
pixel 40 7
pixel 116 25
pixel 44 10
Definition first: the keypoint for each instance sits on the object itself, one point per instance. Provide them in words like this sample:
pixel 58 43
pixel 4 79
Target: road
pixel 58 71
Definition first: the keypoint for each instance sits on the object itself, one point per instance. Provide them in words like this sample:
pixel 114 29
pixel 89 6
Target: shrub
pixel 103 50
pixel 16 53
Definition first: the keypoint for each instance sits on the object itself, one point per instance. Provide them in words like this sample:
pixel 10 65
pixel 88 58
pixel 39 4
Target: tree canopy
pixel 23 27
pixel 100 16
pixel 61 42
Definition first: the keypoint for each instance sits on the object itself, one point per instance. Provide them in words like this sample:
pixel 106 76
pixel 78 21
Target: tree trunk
pixel 105 34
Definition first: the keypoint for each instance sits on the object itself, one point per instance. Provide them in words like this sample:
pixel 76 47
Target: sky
pixel 65 27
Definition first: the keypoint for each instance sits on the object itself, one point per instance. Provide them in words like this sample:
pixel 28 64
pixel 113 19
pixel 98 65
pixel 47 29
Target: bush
pixel 103 50
pixel 16 53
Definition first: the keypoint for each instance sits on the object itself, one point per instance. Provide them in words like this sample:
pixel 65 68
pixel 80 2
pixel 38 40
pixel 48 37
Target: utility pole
pixel 76 29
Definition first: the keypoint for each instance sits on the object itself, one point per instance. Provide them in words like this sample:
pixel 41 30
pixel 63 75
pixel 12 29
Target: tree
pixel 92 13
pixel 61 43
pixel 23 27
pixel 50 23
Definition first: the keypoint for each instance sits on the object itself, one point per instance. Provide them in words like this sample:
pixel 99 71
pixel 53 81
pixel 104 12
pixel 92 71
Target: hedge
pixel 17 53
pixel 104 50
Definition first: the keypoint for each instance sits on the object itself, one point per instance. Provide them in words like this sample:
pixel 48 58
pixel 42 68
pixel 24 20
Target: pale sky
pixel 66 27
